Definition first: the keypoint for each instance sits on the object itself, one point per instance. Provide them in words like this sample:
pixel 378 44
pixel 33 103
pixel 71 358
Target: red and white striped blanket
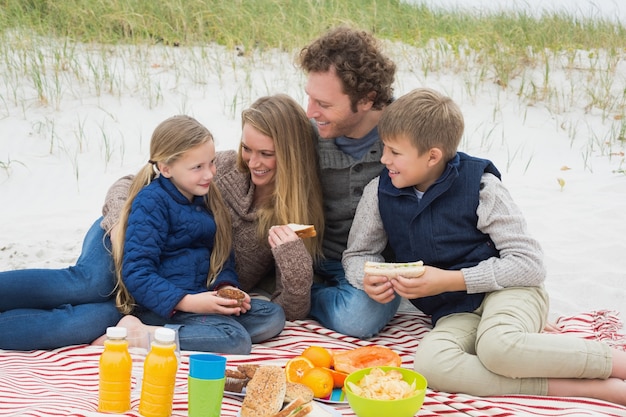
pixel 64 381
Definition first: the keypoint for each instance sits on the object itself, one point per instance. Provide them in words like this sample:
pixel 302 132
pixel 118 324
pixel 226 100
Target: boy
pixel 482 283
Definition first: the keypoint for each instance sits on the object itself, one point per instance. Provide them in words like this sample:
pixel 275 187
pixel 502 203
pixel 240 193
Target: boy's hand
pixel 434 281
pixel 379 288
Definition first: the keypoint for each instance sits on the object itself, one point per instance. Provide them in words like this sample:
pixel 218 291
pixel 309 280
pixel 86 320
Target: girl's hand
pixel 379 288
pixel 245 304
pixel 278 235
pixel 210 303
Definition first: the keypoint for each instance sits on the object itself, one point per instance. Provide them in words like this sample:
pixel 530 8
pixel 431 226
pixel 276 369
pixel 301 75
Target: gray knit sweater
pixel 343 180
pixel 521 258
pixel 254 259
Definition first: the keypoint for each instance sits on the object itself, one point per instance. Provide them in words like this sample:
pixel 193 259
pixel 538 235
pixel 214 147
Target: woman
pixel 273 180
pixel 50 308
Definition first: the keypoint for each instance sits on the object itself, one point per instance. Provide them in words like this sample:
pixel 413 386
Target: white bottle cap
pixel 116 332
pixel 164 335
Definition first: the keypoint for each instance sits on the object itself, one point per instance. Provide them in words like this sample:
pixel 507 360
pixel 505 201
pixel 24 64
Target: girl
pixel 173 249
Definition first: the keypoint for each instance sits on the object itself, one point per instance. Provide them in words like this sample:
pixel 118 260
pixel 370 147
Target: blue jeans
pixel 50 308
pixel 220 333
pixel 339 306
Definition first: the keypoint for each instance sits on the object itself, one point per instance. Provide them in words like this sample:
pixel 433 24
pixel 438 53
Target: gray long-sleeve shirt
pixel 521 258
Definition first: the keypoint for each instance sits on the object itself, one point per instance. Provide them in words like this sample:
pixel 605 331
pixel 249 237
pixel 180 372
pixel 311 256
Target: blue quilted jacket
pixel 168 248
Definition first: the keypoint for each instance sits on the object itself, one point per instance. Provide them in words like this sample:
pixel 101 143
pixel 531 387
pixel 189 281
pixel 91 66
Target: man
pixel 349 84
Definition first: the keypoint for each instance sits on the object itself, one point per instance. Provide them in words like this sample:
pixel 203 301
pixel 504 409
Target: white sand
pixel 57 159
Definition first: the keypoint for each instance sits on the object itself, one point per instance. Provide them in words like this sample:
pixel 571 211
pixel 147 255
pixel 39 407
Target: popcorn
pixel 379 385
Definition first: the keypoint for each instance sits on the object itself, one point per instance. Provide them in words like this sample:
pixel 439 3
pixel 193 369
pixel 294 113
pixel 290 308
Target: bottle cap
pixel 164 335
pixel 116 332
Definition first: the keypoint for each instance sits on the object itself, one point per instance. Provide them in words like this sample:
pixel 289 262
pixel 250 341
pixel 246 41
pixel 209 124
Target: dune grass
pixel 288 24
pixel 57 45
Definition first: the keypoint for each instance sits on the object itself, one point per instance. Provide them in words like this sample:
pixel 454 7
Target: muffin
pixel 233 294
pixel 235 381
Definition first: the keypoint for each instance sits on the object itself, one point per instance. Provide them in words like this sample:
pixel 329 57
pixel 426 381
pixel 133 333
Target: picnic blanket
pixel 64 381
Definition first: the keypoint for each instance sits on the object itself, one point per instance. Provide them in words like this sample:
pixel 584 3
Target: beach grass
pixel 54 50
pixel 289 24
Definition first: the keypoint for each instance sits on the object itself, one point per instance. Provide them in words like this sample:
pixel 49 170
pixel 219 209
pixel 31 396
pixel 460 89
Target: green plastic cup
pixel 205 397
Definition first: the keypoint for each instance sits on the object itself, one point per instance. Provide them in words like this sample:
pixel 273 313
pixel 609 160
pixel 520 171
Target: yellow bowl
pixel 405 407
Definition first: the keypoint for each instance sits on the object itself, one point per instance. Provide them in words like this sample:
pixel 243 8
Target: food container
pixel 405 407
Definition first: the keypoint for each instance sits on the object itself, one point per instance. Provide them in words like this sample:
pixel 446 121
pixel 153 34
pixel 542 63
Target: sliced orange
pixel 295 368
pixel 338 378
pixel 319 380
pixel 319 356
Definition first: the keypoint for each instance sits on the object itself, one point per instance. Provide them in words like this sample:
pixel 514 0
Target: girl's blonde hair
pixel 297 196
pixel 172 138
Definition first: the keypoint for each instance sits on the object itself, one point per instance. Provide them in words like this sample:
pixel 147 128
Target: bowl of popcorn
pixel 385 391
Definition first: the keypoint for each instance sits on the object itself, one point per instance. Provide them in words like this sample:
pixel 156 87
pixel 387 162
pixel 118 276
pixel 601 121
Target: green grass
pixel 52 50
pixel 289 24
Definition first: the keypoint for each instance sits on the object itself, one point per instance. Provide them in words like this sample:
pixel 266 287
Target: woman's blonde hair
pixel 297 196
pixel 171 139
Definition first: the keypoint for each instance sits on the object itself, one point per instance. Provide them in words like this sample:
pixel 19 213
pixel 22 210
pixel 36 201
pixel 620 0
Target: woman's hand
pixel 278 235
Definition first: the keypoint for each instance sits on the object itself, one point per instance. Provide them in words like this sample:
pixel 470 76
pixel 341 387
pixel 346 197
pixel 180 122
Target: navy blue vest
pixel 441 229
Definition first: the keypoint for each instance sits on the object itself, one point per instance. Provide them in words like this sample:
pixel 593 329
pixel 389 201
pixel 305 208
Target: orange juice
pixel 159 376
pixel 115 370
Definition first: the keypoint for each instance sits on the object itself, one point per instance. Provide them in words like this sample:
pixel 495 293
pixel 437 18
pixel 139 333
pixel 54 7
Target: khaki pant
pixel 498 349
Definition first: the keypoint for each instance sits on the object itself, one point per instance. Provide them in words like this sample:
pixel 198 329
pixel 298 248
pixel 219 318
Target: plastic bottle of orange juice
pixel 115 369
pixel 159 376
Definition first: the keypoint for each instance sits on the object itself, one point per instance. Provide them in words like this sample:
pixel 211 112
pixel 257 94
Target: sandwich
pixel 297 390
pixel 268 394
pixel 393 269
pixel 265 392
pixel 303 230
pixel 296 408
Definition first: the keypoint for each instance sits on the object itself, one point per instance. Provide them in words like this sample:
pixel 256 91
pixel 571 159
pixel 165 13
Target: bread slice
pixel 296 408
pixel 303 230
pixel 295 390
pixel 265 392
pixel 393 269
pixel 248 369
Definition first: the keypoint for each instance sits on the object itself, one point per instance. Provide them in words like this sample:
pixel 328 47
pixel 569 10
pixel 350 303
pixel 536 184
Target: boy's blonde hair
pixel 297 196
pixel 172 138
pixel 426 117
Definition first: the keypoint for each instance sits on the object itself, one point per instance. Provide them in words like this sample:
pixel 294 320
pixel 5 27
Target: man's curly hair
pixel 358 61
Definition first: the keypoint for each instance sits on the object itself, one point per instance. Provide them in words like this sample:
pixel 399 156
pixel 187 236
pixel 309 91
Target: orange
pixel 296 367
pixel 338 378
pixel 319 356
pixel 319 380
